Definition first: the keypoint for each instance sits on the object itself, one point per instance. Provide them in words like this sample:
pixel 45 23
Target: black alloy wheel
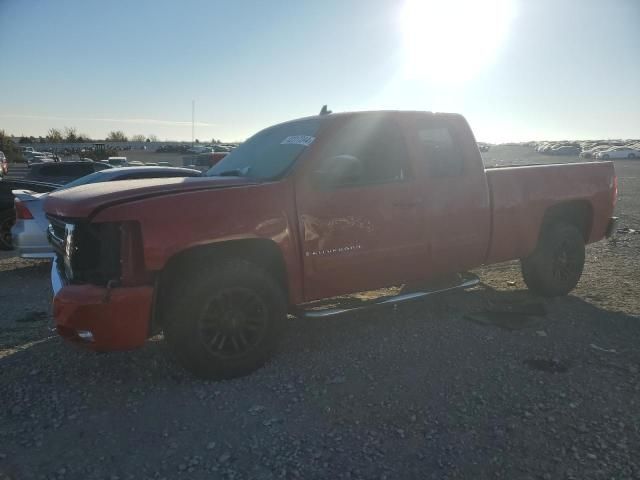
pixel 234 321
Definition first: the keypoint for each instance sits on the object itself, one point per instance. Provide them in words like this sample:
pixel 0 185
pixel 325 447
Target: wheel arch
pixel 578 213
pixel 262 252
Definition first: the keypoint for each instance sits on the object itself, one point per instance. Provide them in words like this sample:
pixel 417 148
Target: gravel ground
pixel 433 389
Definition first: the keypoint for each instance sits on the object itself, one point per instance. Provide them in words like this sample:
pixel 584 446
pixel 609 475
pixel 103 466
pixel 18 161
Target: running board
pixel 467 281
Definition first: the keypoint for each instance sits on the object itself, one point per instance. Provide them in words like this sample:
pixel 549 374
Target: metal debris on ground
pixel 605 350
pixel 553 365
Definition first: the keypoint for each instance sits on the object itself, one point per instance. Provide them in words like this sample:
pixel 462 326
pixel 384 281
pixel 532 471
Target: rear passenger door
pixel 456 216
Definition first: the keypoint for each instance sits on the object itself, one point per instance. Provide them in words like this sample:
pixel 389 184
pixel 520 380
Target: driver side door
pixel 362 231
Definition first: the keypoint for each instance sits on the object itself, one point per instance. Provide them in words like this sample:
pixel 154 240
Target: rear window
pixel 440 150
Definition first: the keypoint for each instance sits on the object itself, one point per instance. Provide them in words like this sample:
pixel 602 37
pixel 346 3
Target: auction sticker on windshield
pixel 305 140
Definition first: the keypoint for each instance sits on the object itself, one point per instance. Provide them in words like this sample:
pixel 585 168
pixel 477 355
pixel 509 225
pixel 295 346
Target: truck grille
pixel 87 253
pixel 56 234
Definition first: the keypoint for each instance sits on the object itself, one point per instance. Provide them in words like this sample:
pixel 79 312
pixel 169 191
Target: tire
pixel 556 265
pixel 631 155
pixel 605 157
pixel 228 322
pixel 7 219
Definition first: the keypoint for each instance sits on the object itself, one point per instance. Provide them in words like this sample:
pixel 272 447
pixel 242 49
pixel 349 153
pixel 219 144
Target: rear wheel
pixel 556 265
pixel 7 219
pixel 631 155
pixel 229 321
pixel 605 156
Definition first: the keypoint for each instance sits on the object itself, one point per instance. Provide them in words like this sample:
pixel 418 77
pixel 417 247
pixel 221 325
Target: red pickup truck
pixel 310 209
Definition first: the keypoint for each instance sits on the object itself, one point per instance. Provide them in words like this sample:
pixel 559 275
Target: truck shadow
pixel 540 329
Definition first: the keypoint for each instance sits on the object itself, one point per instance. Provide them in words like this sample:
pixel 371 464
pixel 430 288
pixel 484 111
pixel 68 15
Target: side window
pixel 441 151
pixel 377 144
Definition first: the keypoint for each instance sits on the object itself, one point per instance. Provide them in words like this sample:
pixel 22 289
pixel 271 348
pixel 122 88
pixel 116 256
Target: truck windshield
pixel 270 152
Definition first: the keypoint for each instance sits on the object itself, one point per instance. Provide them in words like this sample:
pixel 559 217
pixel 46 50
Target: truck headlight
pixel 69 249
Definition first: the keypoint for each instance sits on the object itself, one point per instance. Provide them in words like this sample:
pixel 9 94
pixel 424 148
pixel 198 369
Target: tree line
pixel 71 135
pixel 8 147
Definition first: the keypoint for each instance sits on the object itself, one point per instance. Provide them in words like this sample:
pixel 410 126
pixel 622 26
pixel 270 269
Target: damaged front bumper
pixel 101 318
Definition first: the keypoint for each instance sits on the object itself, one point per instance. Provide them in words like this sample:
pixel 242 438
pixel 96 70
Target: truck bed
pixel 520 196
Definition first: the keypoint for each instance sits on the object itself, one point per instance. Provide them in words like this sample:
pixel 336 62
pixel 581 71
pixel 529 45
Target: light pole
pixel 193 120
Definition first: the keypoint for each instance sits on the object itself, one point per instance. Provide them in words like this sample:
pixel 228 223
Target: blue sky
pixel 517 69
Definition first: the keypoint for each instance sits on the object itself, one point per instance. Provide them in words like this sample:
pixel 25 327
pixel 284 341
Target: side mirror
pixel 338 170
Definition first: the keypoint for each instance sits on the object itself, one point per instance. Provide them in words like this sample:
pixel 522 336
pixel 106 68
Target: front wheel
pixel 605 157
pixel 556 265
pixel 229 321
pixel 7 219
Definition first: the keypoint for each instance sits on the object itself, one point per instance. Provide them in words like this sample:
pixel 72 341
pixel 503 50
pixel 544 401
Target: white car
pixel 593 151
pixel 29 233
pixel 618 152
pixel 199 150
pixel 117 161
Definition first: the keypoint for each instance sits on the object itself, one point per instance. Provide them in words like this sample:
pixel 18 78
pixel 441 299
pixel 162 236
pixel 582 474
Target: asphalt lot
pixel 490 383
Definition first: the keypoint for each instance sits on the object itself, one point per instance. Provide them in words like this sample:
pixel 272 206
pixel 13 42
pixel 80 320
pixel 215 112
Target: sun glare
pixel 451 40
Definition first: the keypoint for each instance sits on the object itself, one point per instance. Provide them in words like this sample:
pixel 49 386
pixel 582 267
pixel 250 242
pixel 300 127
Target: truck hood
pixel 82 201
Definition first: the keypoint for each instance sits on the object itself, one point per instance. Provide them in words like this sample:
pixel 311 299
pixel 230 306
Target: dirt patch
pixel 547 365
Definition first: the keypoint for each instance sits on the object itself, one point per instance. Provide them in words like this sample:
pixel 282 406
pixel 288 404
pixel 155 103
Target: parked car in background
pixel 203 161
pixel 593 151
pixel 63 172
pixel 117 161
pixel 173 149
pixel 136 163
pixel 564 150
pixel 7 211
pixel 29 233
pixel 202 149
pixel 618 152
pixel 37 157
pixel 4 165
